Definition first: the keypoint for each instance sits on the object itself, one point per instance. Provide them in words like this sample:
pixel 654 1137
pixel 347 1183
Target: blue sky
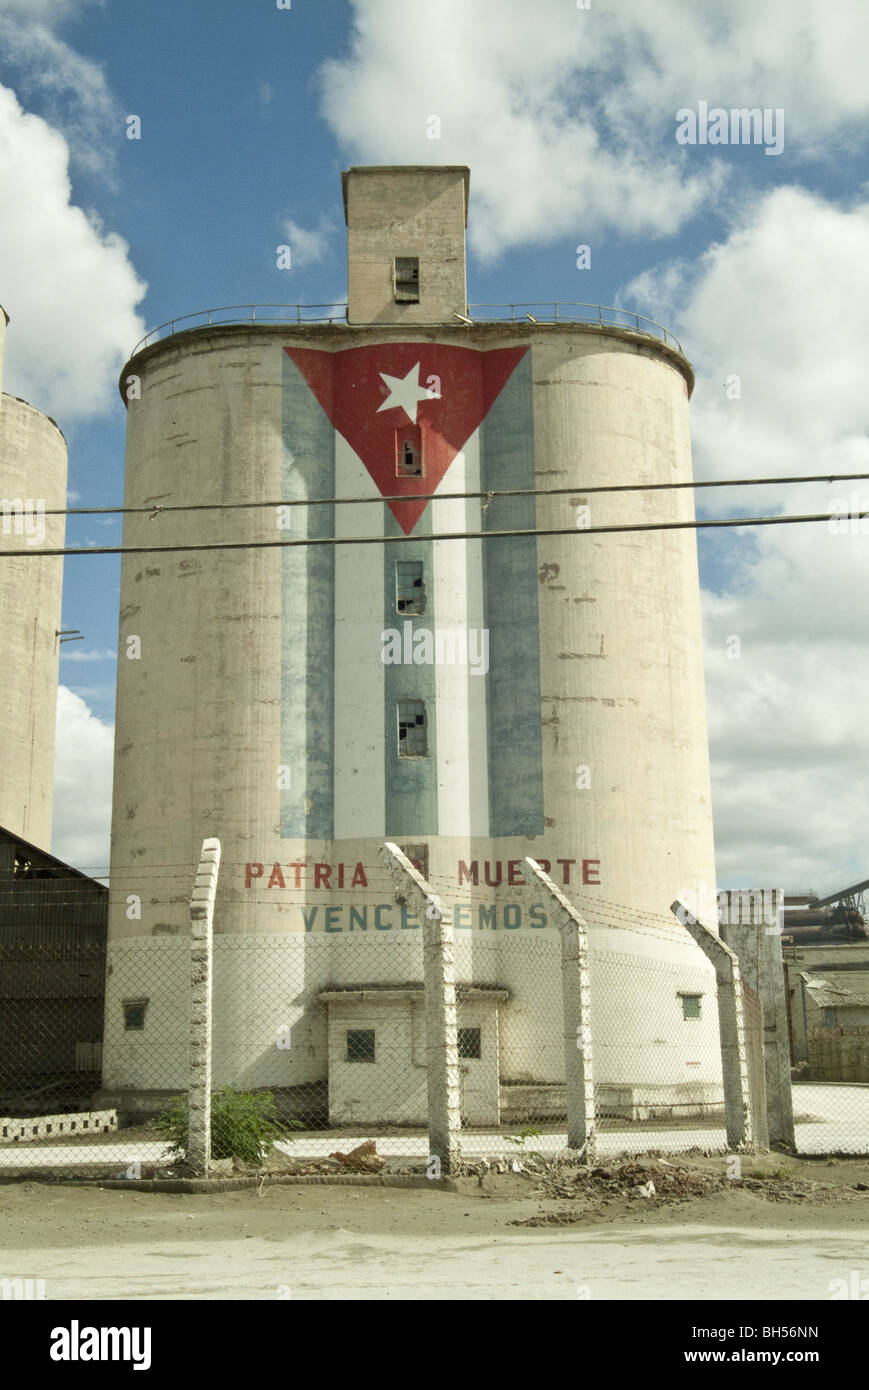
pixel 567 119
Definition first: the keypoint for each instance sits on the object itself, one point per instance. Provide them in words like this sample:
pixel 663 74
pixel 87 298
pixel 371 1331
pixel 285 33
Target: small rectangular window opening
pixel 134 1014
pixel 409 588
pixel 408 452
pixel 411 729
pixel 469 1042
pixel 360 1045
pixel 406 279
pixel 691 1005
pixel 418 856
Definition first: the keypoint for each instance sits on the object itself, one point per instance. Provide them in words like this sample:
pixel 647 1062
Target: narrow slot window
pixel 409 588
pixel 411 729
pixel 406 279
pixel 408 452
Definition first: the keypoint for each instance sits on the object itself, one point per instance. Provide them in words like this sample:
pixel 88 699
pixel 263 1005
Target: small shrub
pixel 781 1173
pixel 244 1124
pixel 527 1133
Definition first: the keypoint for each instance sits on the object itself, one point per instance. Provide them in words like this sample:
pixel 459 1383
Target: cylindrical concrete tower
pixel 32 481
pixel 476 700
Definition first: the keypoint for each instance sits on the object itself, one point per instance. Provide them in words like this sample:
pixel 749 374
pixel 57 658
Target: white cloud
pixel 307 245
pixel 54 10
pixel 94 693
pixel 783 303
pixel 787 725
pixel 82 785
pixel 70 89
pixel 67 655
pixel 567 117
pixel 511 84
pixel 69 287
pixel 804 56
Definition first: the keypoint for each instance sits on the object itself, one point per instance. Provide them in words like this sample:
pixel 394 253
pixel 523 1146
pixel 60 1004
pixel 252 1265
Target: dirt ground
pixel 485 1240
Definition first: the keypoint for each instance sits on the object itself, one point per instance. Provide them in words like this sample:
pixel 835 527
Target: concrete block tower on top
pixel 406 244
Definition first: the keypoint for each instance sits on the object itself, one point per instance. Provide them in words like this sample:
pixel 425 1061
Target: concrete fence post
pixel 199 1085
pixel 750 922
pixel 731 1027
pixel 576 1004
pixel 441 1031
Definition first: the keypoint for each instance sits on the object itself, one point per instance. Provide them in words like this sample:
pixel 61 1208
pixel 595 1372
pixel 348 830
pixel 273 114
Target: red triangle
pixel 350 388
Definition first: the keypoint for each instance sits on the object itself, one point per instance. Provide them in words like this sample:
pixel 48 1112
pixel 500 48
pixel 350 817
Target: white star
pixel 404 393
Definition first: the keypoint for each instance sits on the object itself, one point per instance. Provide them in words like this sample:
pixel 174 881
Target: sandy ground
pixel 798 1227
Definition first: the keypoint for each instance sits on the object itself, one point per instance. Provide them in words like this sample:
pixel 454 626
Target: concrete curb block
pixel 204 1185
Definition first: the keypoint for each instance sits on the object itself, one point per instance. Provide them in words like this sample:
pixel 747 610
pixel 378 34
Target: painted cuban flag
pixel 404 420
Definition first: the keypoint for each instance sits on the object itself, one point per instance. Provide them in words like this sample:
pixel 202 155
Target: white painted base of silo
pixel 271 1029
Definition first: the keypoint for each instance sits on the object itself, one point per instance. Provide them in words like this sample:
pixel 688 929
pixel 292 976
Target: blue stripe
pixel 307 617
pixel 411 783
pixel 510 588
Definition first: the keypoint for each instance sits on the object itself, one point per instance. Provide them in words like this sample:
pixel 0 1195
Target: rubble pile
pixel 649 1182
pixel 654 1184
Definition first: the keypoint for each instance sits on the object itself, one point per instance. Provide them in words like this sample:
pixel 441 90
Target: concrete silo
pixel 476 700
pixel 32 481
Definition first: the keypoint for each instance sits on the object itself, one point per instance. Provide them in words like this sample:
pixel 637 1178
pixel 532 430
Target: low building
pixel 836 1000
pixel 53 923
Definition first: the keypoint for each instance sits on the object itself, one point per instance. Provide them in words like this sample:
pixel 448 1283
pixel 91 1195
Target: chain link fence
pixel 829 1030
pixel 323 1046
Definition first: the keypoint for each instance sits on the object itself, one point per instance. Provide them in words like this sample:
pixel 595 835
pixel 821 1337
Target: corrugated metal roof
pixel 837 990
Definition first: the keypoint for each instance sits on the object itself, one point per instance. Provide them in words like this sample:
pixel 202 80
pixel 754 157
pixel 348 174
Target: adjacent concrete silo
pixel 32 481
pixel 476 699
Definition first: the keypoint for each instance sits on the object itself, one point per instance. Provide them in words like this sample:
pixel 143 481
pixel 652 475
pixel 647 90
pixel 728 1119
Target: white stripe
pixel 463 788
pixel 360 776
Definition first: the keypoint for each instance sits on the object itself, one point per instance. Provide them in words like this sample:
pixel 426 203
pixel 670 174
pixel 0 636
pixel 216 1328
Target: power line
pixel 158 508
pixel 415 540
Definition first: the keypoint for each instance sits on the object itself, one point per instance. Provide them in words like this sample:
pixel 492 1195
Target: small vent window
pixel 691 1005
pixel 409 588
pixel 134 1014
pixel 469 1043
pixel 360 1045
pixel 411 729
pixel 406 279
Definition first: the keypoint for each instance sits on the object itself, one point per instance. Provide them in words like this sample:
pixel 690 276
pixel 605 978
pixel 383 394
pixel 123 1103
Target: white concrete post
pixel 753 929
pixel 576 1005
pixel 199 1086
pixel 731 1027
pixel 441 1032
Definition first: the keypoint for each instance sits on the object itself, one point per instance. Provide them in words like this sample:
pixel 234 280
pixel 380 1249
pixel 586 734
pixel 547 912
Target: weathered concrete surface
pixel 201 993
pixel 576 1005
pixel 651 1262
pixel 758 946
pixel 406 211
pixel 32 470
pixel 734 1059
